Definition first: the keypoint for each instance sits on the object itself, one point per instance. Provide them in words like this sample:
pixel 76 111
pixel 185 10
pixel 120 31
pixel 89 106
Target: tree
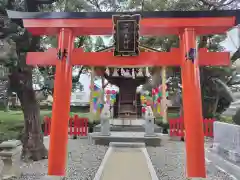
pixel 216 95
pixel 20 79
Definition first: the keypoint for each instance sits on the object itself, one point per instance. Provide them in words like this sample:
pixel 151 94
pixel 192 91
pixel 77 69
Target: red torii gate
pixel 185 24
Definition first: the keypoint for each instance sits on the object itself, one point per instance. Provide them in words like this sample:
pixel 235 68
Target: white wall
pixel 82 98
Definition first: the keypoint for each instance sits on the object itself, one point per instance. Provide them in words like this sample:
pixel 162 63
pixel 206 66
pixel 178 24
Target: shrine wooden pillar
pixel 164 95
pixel 192 104
pixel 91 92
pixel 61 105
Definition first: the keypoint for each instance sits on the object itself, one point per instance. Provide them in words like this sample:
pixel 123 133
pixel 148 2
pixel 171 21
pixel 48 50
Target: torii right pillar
pixel 192 104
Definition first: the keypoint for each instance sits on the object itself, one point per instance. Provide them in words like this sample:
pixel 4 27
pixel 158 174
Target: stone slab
pixel 127 164
pixel 130 137
pixel 227 140
pixel 52 177
pixel 129 145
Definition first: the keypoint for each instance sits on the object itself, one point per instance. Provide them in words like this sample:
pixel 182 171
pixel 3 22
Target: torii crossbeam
pixel 187 25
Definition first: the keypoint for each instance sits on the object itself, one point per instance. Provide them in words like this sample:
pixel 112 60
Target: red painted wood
pixel 213 58
pixel 144 59
pixel 47 125
pixel 78 126
pixel 176 127
pixel 208 127
pixel 71 123
pixel 149 26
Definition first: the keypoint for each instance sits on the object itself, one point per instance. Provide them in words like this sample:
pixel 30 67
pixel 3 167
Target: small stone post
pixel 149 122
pixel 105 120
pixel 10 155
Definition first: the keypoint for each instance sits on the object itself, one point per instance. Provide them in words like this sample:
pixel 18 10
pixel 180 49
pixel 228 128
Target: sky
pixel 232 42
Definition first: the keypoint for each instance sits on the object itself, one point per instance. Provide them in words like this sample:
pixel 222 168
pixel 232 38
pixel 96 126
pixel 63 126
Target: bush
pixel 92 124
pixel 226 119
pixel 165 126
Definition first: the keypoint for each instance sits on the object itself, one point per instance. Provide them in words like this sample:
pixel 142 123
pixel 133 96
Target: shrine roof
pixel 107 15
pixel 152 23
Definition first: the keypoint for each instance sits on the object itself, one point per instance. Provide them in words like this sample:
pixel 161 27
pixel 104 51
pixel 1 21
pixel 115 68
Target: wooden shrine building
pixel 127 79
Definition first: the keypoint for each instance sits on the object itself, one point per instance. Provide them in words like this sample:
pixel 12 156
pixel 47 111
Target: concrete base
pixel 130 137
pixel 227 154
pixel 127 128
pixel 221 163
pixel 227 141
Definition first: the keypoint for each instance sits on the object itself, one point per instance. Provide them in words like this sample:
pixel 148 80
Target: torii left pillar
pixel 61 104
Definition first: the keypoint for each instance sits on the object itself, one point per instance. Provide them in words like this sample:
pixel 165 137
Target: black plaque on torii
pixel 126 34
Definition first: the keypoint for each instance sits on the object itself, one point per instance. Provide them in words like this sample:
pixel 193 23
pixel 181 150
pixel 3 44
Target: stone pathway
pixel 127 164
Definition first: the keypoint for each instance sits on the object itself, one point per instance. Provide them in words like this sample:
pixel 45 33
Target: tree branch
pixel 76 79
pixel 105 85
pixel 95 3
pixel 230 2
pixel 216 5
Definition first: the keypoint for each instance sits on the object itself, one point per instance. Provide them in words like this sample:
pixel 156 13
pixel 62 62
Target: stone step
pixel 127 128
pixel 126 137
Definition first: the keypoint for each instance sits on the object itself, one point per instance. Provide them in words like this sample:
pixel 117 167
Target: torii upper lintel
pixel 152 23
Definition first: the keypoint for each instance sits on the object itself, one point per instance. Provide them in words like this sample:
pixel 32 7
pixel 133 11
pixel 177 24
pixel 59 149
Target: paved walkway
pixel 127 164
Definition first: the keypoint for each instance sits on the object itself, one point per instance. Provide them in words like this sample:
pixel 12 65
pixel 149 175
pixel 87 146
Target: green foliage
pixel 12 123
pixel 99 44
pixel 226 119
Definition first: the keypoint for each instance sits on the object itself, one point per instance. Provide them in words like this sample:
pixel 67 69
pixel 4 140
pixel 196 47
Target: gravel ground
pixel 83 162
pixel 169 162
